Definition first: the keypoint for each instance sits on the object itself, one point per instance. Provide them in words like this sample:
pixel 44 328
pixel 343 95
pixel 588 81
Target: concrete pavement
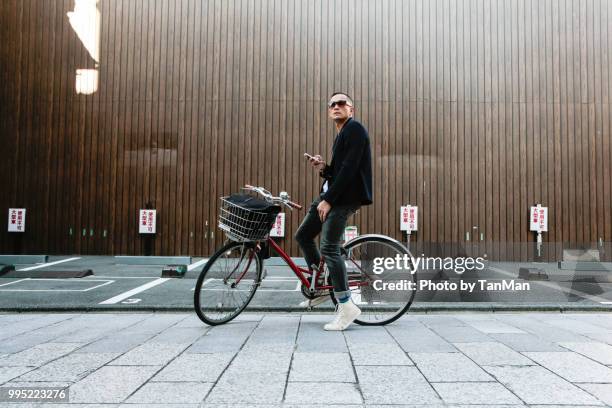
pixel 426 360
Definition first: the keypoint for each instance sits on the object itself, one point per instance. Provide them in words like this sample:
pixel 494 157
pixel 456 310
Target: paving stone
pixel 8 373
pixel 543 330
pixel 225 338
pixel 564 406
pixel 23 326
pixel 111 384
pixel 155 323
pixel 8 318
pixel 573 367
pixel 394 385
pixel 600 352
pixel 441 321
pixel 154 354
pixel 494 326
pixel 246 405
pixel 70 405
pixel 378 354
pixel 54 405
pixel 263 361
pixel 448 367
pixel 491 353
pixel 605 337
pixel 537 385
pixel 180 335
pixel 369 335
pixel 321 406
pixel 249 317
pixel 251 388
pixel 120 343
pixel 39 355
pixel 572 323
pixel 420 340
pixel 195 368
pixel 461 334
pixel 33 338
pixel 332 393
pixel 151 405
pixel 525 342
pixel 194 321
pixel 171 392
pixel 333 367
pixel 88 328
pixel 601 391
pixel 38 384
pixel 72 367
pixel 273 333
pixel 409 321
pixel 482 406
pixel 312 338
pixel 373 346
pixel 253 377
pixel 84 335
pixel 475 393
pixel 597 319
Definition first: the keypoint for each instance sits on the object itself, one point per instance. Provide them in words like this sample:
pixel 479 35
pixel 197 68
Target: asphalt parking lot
pixel 117 286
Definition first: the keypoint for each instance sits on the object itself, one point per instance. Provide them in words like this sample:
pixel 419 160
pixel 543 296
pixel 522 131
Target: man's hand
pixel 323 209
pixel 317 162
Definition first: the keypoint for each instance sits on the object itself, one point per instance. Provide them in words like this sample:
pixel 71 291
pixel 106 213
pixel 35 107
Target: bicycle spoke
pixel 378 306
pixel 230 283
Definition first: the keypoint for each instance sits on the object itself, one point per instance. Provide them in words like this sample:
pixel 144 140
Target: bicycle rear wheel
pixel 227 283
pixel 385 296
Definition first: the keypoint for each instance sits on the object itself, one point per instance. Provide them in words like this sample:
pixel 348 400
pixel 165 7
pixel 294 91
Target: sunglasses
pixel 340 103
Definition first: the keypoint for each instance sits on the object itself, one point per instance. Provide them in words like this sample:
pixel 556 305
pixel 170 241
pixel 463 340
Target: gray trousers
pixel 332 234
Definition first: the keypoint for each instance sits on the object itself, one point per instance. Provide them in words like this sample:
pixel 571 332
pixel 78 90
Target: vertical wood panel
pixel 476 111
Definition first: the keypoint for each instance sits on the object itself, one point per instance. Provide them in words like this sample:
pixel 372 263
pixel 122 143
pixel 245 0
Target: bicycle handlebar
pixel 282 199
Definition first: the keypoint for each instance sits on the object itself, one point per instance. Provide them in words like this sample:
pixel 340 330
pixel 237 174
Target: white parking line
pixel 134 291
pixel 31 268
pixel 106 282
pixel 196 264
pixel 10 283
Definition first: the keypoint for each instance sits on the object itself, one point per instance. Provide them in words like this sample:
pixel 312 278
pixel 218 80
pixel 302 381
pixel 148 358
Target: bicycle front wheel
pixel 383 292
pixel 227 283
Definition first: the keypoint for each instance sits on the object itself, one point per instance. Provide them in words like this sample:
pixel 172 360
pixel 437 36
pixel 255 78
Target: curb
pixel 414 309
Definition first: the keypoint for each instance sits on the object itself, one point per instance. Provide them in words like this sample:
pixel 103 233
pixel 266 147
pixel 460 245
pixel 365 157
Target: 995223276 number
pixel 33 394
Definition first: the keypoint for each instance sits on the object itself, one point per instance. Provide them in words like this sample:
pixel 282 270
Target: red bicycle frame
pixel 299 272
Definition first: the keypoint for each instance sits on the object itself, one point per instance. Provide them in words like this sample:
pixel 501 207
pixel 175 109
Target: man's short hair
pixel 345 94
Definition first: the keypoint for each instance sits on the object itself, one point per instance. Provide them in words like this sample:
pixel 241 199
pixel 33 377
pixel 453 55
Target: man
pixel 347 186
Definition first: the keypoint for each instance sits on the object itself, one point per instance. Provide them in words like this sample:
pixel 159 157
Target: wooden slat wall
pixel 476 109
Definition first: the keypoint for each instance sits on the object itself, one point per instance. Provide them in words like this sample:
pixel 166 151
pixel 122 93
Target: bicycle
pixel 230 278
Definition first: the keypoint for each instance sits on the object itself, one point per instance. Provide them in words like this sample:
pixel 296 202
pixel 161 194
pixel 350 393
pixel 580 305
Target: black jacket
pixel 349 174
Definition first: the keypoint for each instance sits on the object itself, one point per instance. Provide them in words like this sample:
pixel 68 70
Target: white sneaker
pixel 346 314
pixel 315 302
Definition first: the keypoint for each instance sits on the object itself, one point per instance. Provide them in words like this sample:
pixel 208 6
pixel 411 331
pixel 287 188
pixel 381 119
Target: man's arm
pixel 357 141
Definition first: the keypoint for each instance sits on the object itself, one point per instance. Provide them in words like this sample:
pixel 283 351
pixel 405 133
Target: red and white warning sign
pixel 409 218
pixel 16 219
pixel 278 229
pixel 147 221
pixel 539 219
pixel 350 232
